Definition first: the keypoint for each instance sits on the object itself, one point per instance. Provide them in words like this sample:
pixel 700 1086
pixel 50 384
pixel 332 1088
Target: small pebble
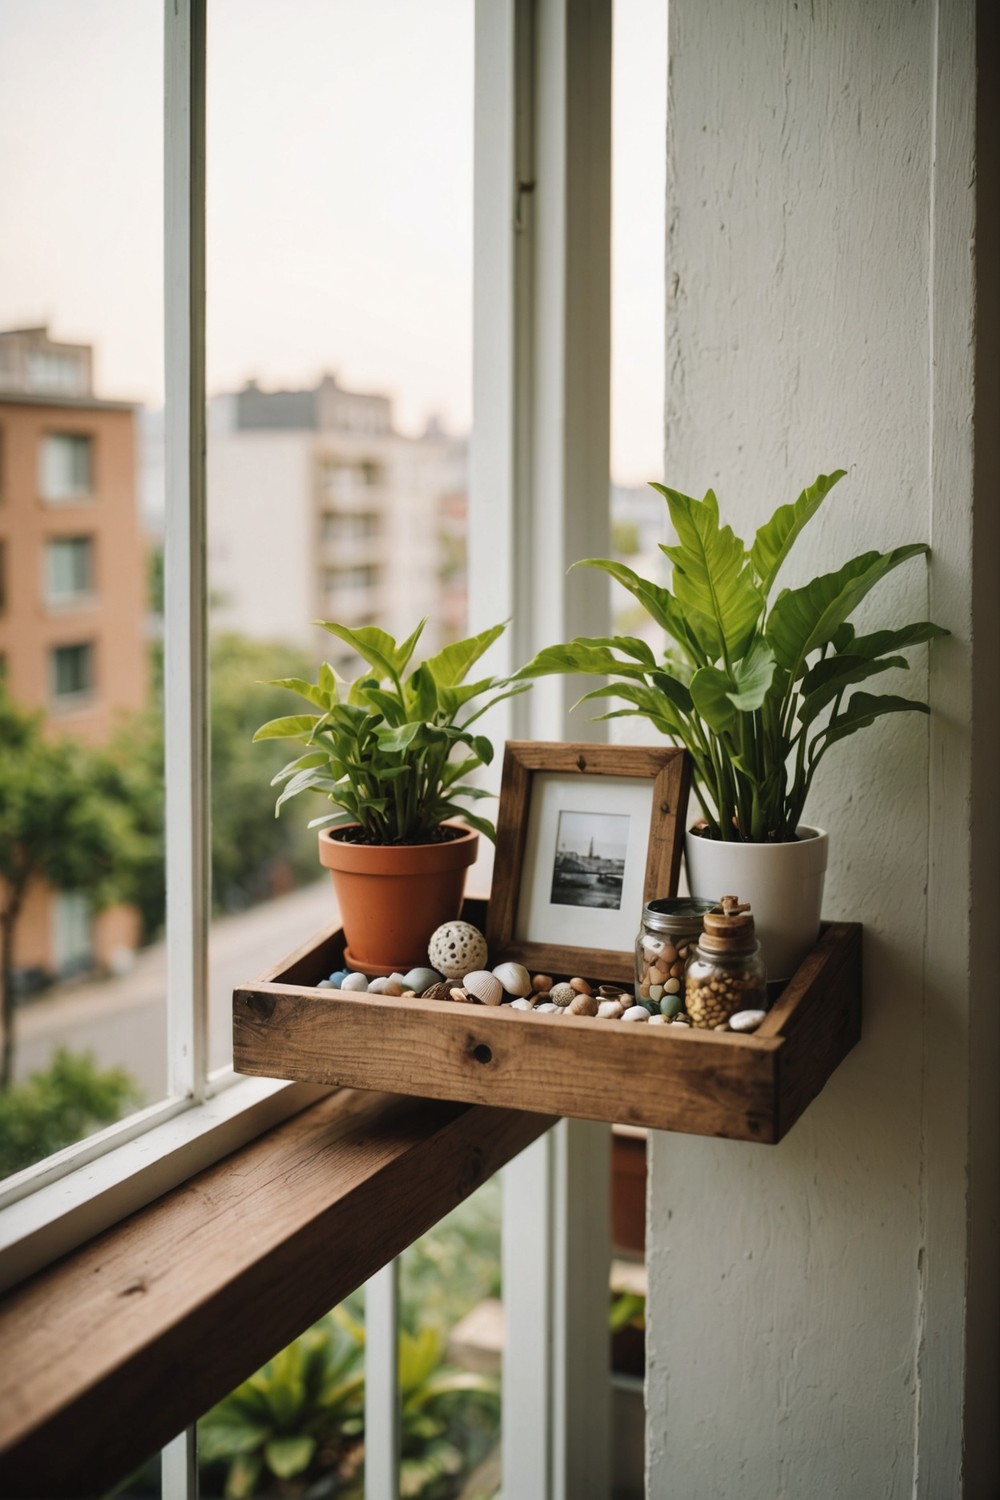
pixel 583 1005
pixel 326 984
pixel 635 1013
pixel 680 1021
pixel 354 982
pixel 670 1005
pixel 521 1005
pixel 377 985
pixel 546 1008
pixel 746 1020
pixel 581 986
pixel 337 977
pixel 458 993
pixel 610 1010
pixel 656 992
pixel 658 1021
pixel 541 982
pixel 392 987
pixel 672 986
pixel 722 1026
pixel 420 978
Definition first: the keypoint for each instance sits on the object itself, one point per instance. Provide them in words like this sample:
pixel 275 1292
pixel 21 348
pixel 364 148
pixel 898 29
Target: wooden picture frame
pixel 546 788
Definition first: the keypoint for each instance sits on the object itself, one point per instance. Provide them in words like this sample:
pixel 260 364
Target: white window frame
pixel 539 478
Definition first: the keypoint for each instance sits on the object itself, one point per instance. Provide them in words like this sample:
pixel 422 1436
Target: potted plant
pixel 392 752
pixel 757 689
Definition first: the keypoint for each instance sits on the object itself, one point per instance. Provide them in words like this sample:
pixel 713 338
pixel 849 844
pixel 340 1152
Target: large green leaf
pixel 288 1456
pixel 776 538
pixel 650 704
pixel 720 697
pixel 804 619
pixel 584 655
pixel 863 709
pixel 290 727
pixel 882 641
pixel 373 645
pixel 450 665
pixel 315 693
pixel 829 678
pixel 658 602
pixel 711 574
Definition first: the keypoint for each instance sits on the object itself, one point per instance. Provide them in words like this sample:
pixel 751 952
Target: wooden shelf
pixel 746 1088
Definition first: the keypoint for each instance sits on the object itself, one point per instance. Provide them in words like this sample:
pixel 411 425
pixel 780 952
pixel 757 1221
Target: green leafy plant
pixel 392 748
pixel 60 1104
pixel 757 690
pixel 433 1396
pixel 297 1416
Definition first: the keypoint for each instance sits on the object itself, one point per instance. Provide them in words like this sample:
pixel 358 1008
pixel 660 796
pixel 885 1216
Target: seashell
pixel 610 1010
pixel 515 979
pixel 636 1013
pixel 439 991
pixel 562 994
pixel 542 982
pixel 581 986
pixel 457 993
pixel 484 987
pixel 354 982
pixel 583 1005
pixel 420 979
pixel 609 991
pixel 456 948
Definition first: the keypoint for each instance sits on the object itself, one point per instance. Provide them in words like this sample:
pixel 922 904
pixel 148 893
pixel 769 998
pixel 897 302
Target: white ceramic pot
pixel 782 882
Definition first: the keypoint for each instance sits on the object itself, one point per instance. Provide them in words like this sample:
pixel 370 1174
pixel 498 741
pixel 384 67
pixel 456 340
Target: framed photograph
pixel 585 835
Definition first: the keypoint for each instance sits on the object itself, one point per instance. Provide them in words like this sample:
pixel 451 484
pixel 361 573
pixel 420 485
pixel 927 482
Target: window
pixel 69 568
pixel 71 673
pixel 3 575
pixel 66 466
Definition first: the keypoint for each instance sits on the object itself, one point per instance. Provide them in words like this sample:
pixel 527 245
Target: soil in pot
pixel 393 896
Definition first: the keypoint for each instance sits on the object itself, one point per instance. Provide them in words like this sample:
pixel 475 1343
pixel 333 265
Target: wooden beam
pixel 111 1352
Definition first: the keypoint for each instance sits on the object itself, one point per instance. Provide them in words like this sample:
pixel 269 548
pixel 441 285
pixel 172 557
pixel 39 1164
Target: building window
pixel 69 568
pixel 66 466
pixel 71 672
pixel 3 576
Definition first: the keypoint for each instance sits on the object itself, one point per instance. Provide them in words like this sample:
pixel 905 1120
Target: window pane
pixel 81 348
pixel 66 459
pixel 339 371
pixel 69 567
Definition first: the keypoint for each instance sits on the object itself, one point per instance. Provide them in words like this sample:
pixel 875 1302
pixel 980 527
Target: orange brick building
pixel 72 591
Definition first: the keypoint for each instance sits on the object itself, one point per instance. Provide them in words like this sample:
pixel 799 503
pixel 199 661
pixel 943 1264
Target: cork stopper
pixel 728 928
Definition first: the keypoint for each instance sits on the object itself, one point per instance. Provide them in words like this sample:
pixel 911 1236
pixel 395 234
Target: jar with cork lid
pixel 725 972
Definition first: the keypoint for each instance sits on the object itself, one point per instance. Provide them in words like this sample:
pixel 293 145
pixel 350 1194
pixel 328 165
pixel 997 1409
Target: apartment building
pixel 72 589
pixel 319 508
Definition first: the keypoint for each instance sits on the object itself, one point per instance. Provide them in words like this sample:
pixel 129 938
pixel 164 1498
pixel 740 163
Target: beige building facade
pixel 73 584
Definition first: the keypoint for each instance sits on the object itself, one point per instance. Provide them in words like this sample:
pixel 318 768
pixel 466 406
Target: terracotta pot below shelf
pixel 393 896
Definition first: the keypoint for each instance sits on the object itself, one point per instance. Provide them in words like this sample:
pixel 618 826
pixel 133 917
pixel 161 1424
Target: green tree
pixel 253 852
pixel 53 1108
pixel 57 824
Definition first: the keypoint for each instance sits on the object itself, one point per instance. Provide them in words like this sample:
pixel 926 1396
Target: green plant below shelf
pixel 387 748
pixel 757 690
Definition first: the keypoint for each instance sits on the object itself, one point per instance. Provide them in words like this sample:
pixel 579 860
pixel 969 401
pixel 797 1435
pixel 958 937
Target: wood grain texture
pixel 110 1353
pixel 749 1088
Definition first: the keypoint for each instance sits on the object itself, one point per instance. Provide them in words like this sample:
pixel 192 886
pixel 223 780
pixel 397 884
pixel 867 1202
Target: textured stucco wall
pixel 795 1293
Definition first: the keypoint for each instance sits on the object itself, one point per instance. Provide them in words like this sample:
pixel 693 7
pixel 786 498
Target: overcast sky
pixel 340 197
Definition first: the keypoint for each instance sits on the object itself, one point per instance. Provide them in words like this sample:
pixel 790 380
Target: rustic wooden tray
pixel 746 1088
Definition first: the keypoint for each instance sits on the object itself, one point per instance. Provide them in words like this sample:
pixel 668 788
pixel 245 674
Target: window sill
pixel 112 1352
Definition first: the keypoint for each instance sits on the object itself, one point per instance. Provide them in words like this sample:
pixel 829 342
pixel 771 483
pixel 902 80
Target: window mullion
pixel 185 671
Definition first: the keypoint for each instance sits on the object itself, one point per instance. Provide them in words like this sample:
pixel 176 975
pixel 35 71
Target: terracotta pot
pixel 393 896
pixel 782 882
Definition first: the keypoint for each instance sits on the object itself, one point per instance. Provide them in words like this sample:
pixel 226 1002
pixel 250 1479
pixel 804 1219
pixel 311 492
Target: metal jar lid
pixel 681 914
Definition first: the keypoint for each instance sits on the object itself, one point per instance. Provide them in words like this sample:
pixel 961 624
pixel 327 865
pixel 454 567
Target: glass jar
pixel 670 927
pixel 725 972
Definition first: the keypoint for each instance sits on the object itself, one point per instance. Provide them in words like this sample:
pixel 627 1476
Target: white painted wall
pixel 807 1303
